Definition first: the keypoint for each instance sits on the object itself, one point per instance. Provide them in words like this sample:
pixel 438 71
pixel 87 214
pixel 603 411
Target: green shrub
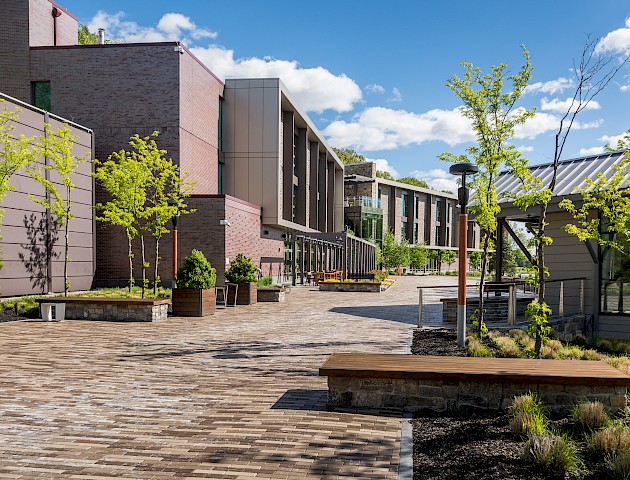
pixel 619 466
pixel 506 345
pixel 242 270
pixel 611 440
pixel 264 282
pixel 525 403
pixel 379 275
pixel 590 416
pixel 527 424
pixel 196 272
pixel 25 306
pixel 553 453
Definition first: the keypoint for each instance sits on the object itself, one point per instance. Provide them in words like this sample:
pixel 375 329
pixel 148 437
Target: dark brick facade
pixel 200 230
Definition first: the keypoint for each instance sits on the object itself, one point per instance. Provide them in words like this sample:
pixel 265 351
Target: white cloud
pixel 551 87
pixel 396 95
pixel 437 178
pixel 592 151
pixel 171 27
pixel 612 140
pixel 384 165
pixel 374 88
pixel 625 88
pixel 615 41
pixel 543 122
pixel 379 128
pixel 525 148
pixel 316 89
pixel 562 106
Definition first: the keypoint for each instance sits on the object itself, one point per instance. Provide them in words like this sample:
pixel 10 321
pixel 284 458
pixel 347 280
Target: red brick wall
pixel 199 92
pixel 200 230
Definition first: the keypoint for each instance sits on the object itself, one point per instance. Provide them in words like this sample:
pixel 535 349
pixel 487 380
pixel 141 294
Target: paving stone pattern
pixel 232 396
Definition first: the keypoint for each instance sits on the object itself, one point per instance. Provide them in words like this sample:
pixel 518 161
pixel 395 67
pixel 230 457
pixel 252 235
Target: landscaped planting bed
pixel 583 443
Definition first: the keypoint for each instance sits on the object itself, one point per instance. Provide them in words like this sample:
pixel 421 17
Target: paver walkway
pixel 233 396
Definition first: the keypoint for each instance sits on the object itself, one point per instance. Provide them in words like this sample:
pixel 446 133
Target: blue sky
pixel 372 74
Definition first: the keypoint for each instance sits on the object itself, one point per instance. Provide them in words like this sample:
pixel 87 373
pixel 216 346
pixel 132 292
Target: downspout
pixel 56 13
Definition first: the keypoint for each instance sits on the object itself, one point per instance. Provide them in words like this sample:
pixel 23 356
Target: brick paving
pixel 233 396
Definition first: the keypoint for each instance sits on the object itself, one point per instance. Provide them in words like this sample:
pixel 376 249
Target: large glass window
pixel 415 233
pixel 40 95
pixel 438 210
pixel 403 231
pixel 615 282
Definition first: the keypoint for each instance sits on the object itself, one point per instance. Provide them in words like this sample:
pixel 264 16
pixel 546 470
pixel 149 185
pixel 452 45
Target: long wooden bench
pixel 442 383
pixel 102 308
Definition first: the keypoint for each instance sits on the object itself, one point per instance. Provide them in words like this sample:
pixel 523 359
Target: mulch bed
pixel 471 445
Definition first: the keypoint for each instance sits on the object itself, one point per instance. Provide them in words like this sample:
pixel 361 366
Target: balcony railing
pixel 363 201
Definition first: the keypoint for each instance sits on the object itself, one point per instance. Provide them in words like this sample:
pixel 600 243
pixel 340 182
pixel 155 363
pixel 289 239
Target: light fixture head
pixel 463 168
pixel 225 223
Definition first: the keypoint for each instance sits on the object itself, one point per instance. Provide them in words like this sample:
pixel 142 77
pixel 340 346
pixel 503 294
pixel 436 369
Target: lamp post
pixel 175 221
pixel 462 169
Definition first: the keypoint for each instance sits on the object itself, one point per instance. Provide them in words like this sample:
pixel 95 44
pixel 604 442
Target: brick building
pixel 374 205
pixel 122 89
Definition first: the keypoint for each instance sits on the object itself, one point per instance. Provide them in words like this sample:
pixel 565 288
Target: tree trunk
pixel 156 278
pixel 482 279
pixel 144 265
pixel 130 255
pixel 65 264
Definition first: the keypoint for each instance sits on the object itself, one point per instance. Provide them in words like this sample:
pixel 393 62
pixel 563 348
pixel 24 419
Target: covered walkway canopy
pixel 327 252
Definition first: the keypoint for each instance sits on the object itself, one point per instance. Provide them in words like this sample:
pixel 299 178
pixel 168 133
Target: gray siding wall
pixel 24 227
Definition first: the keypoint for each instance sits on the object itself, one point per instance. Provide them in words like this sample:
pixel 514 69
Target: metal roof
pixel 571 174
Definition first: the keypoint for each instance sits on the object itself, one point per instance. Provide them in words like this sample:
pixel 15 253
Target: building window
pixel 415 233
pixel 614 278
pixel 438 211
pixel 416 206
pixel 438 236
pixel 220 126
pixel 40 95
pixel 405 204
pixel 403 230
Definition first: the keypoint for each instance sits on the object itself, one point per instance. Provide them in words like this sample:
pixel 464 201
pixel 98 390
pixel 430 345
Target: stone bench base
pixel 415 395
pixel 112 309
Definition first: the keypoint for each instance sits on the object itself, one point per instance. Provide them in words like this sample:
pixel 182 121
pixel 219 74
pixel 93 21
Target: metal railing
pixel 363 201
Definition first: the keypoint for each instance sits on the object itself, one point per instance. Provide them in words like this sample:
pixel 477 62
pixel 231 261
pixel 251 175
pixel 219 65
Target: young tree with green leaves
pixel 58 148
pixel 475 260
pixel 413 181
pixel 494 114
pixel 604 213
pixel 440 256
pixel 394 253
pixel 418 256
pixel 593 73
pixel 126 180
pixel 15 153
pixel 166 193
pixel 385 175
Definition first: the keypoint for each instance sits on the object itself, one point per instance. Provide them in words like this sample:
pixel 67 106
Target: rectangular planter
pixel 193 302
pixel 271 294
pixel 247 294
pixel 349 287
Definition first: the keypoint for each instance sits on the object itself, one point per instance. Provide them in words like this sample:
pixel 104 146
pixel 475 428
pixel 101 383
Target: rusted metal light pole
pixel 175 221
pixel 462 169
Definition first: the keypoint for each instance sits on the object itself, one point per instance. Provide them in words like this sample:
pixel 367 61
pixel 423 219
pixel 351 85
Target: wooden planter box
pixel 271 294
pixel 247 294
pixel 350 287
pixel 193 302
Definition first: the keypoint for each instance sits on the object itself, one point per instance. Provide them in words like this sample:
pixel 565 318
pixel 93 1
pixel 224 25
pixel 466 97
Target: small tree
pixel 441 256
pixel 58 148
pixel 196 272
pixel 15 153
pixel 242 270
pixel 395 253
pixel 418 256
pixel 349 156
pixel 126 180
pixel 494 115
pixel 475 260
pixel 166 193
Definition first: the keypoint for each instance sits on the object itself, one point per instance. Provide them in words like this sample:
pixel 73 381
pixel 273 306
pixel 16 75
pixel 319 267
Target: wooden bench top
pixel 105 300
pixel 474 369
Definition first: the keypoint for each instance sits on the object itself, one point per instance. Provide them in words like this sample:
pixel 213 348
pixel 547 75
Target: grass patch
pixel 551 452
pixel 477 349
pixel 590 416
pixel 612 440
pixel 619 466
